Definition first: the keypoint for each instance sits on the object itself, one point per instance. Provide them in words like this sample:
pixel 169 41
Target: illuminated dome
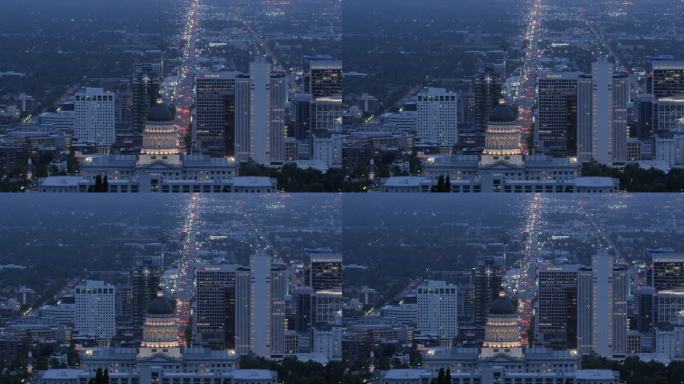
pixel 502 306
pixel 161 112
pixel 160 306
pixel 160 329
pixel 502 114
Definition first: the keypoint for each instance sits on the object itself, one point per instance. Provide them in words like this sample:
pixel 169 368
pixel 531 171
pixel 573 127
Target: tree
pixel 98 184
pixel 447 184
pixel 105 185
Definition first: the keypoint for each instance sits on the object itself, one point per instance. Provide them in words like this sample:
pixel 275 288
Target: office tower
pixel 279 285
pixel 215 304
pixel 556 124
pixel 584 118
pixel 325 78
pixel 602 305
pixel 326 147
pixel 609 306
pixel 487 280
pixel 260 308
pixel 668 303
pixel 214 124
pixel 95 120
pixel 438 117
pixel 668 271
pixel 645 300
pixel 325 269
pixel 303 297
pixel 242 118
pixel 606 137
pixel 487 91
pixel 145 89
pixel 327 307
pixel 260 115
pixel 302 112
pixel 585 292
pixel 242 309
pixel 620 323
pixel 326 114
pixel 327 340
pixel 145 280
pixel 437 310
pixel 96 310
pixel 667 112
pixel 557 305
pixel 124 304
pixel 667 79
pixel 644 105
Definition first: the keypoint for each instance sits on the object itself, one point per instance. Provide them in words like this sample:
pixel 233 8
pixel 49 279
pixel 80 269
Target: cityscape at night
pixel 341 192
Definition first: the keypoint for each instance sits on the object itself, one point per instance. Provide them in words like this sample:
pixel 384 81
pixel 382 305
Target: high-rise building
pixel 585 297
pixel 279 287
pixel 609 306
pixel 302 112
pixel 95 120
pixel 214 124
pixel 556 313
pixel 96 309
pixel 325 269
pixel 438 117
pixel 556 123
pixel 260 115
pixel 326 114
pixel 145 89
pixel 215 304
pixel 437 314
pixel 303 297
pixel 667 112
pixel 325 78
pixel 667 78
pixel 487 91
pixel 487 281
pixel 644 105
pixel 145 280
pixel 606 137
pixel 242 309
pixel 668 271
pixel 645 300
pixel 260 308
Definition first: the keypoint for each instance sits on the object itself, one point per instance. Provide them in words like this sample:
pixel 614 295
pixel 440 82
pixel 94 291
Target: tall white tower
pixel 95 309
pixel 95 116
pixel 260 304
pixel 438 309
pixel 438 116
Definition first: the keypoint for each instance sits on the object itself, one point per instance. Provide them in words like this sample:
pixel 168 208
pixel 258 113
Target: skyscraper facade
pixel 95 120
pixel 215 112
pixel 145 90
pixel 437 314
pixel 557 305
pixel 556 124
pixel 95 309
pixel 438 117
pixel 215 304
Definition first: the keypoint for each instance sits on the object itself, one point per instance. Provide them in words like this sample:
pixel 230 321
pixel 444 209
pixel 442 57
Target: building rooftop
pixel 595 374
pixel 407 374
pixel 406 181
pixel 254 374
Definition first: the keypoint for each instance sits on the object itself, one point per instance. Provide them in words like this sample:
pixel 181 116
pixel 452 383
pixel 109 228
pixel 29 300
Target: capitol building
pixel 502 167
pixel 160 359
pixel 502 359
pixel 160 167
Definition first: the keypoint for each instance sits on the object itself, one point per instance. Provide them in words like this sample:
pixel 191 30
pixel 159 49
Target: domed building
pixel 161 359
pixel 505 166
pixel 161 165
pixel 160 329
pixel 502 330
